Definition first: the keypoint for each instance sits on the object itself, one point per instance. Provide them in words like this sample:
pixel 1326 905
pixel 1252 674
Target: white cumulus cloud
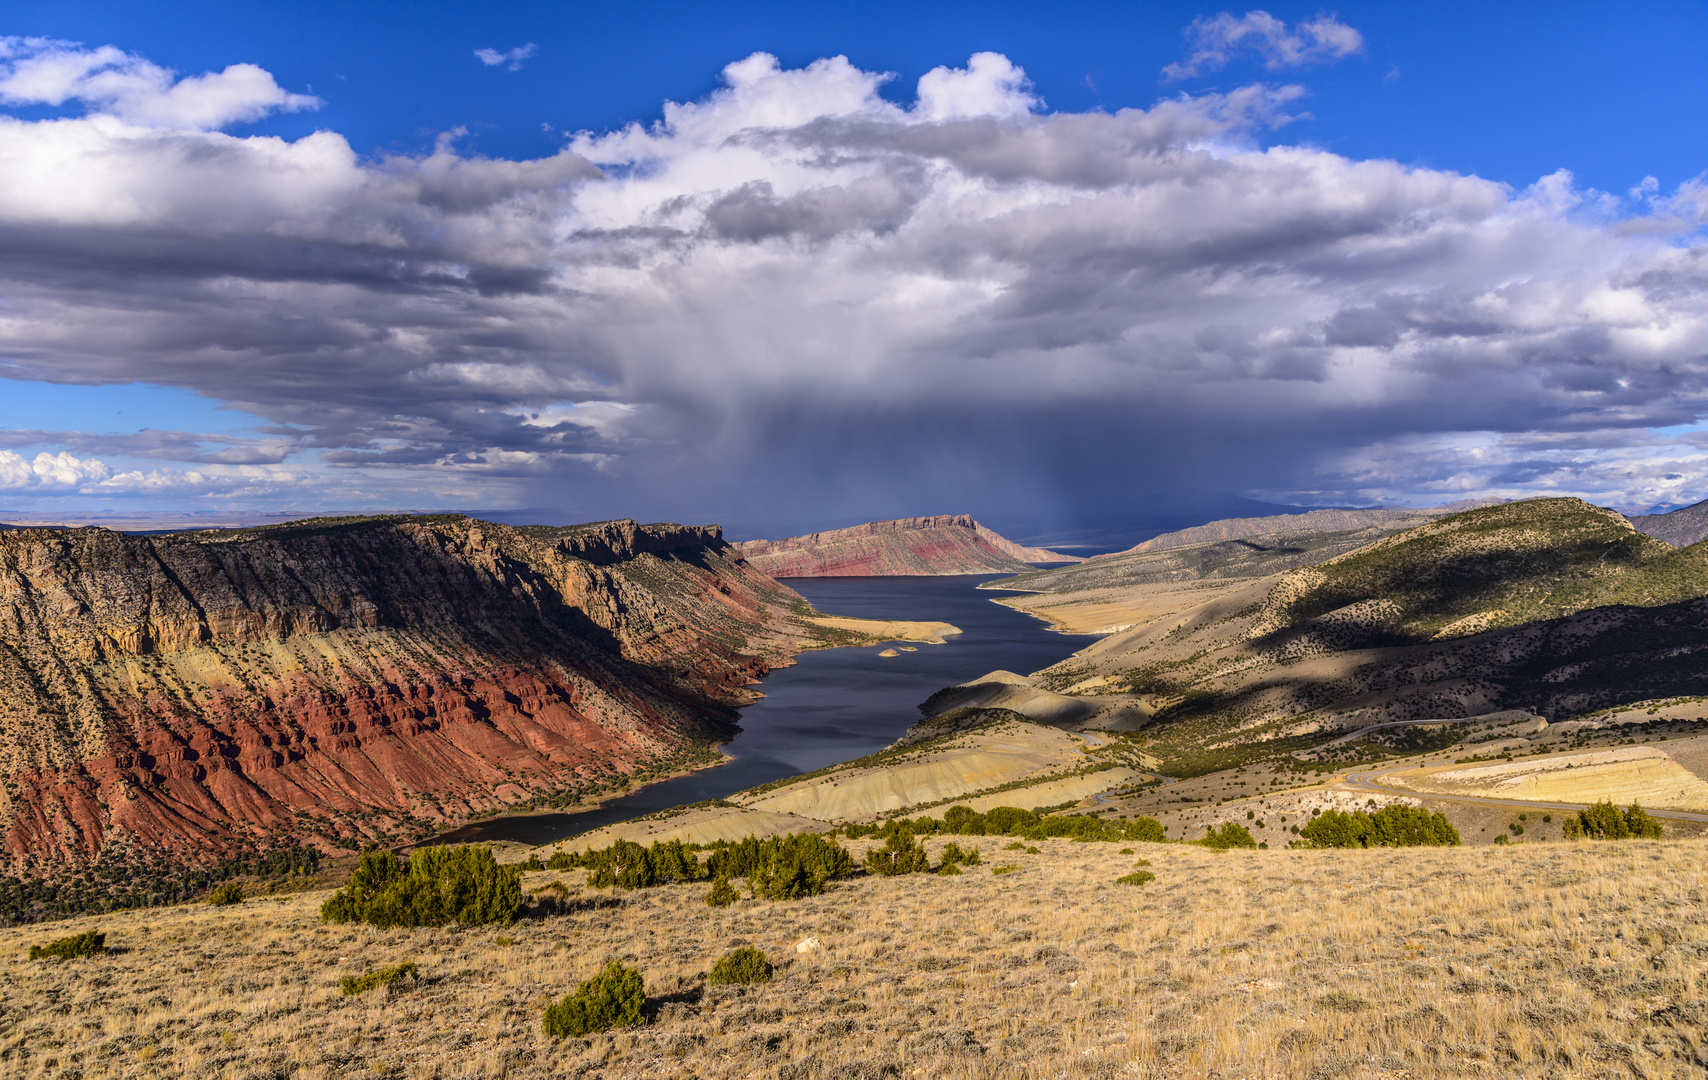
pixel 49 471
pixel 797 289
pixel 107 80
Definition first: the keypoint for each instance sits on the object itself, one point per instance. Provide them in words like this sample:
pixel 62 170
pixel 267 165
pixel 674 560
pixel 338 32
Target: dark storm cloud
pixel 795 291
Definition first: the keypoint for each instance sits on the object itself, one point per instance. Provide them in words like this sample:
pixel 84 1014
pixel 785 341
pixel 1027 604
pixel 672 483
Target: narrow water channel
pixel 833 705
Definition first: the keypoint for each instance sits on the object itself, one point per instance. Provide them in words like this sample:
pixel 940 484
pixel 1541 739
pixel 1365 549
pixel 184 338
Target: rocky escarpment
pixel 340 680
pixel 905 547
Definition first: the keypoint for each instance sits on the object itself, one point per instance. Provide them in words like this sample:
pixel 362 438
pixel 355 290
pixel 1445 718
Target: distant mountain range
pixel 1680 528
pixel 904 547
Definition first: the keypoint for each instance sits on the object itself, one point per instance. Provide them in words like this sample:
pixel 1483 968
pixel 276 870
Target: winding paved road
pixel 1365 781
pixel 1104 796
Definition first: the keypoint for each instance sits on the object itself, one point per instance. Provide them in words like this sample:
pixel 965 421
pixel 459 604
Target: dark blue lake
pixel 833 705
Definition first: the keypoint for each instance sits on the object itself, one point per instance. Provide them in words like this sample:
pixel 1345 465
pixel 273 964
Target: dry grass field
pixel 1538 960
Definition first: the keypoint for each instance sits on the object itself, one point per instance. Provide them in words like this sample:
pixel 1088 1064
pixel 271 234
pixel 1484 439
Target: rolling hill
pixel 1551 604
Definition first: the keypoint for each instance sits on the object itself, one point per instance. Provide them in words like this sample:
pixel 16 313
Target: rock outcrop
pixel 905 547
pixel 340 680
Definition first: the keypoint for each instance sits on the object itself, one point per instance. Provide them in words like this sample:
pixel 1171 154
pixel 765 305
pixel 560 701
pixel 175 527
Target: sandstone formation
pixel 339 680
pixel 905 547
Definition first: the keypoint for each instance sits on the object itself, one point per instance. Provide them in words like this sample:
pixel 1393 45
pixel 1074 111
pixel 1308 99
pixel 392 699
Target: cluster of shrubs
pixel 117 881
pixel 616 997
pixel 780 867
pixel 776 867
pixel 1231 834
pixel 1604 821
pixel 352 985
pixel 437 885
pixel 742 967
pixel 71 948
pixel 628 865
pixel 1391 826
pixel 612 998
pixel 1012 821
pixel 901 854
pixel 226 895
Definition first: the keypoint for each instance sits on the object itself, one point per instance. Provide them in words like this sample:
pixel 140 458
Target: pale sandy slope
pixel 701 826
pixel 926 633
pixel 1112 609
pixel 1644 774
pixel 964 771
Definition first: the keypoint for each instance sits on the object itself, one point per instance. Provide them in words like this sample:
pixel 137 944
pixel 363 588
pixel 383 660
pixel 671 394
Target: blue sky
pixel 1507 91
pixel 423 354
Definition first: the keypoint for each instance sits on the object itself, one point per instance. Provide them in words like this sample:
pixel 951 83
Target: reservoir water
pixel 832 705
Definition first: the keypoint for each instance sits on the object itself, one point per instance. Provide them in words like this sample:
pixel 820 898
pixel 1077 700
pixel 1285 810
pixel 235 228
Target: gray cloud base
pixel 794 298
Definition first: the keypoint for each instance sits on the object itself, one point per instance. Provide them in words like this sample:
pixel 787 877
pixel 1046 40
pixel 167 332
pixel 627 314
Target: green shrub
pixel 533 863
pixel 1137 877
pixel 782 867
pixel 742 967
pixel 899 855
pixel 361 984
pixel 436 886
pixel 723 894
pixel 71 948
pixel 1012 821
pixel 1391 826
pixel 964 821
pixel 1231 835
pixel 627 865
pixel 1604 821
pixel 1005 820
pixel 998 871
pixel 564 860
pixel 612 998
pixel 956 855
pixel 226 895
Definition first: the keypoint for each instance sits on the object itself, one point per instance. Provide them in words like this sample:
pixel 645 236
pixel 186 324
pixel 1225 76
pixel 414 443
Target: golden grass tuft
pixel 1557 960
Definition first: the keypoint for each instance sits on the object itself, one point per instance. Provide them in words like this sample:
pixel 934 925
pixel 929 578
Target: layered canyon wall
pixel 340 681
pixel 904 547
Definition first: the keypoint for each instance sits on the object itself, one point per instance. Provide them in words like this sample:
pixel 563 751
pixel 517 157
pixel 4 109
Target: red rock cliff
pixel 905 547
pixel 355 678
